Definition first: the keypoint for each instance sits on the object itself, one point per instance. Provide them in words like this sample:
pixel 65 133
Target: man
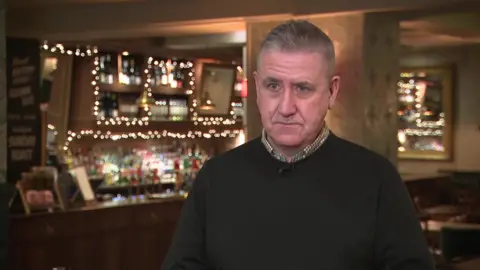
pixel 298 198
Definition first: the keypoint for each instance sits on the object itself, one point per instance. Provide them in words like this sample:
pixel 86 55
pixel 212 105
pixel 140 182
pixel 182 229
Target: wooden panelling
pixel 82 97
pixel 129 237
pixel 59 103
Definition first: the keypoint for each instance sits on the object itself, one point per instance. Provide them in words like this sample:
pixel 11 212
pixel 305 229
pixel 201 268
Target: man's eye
pixel 273 86
pixel 303 89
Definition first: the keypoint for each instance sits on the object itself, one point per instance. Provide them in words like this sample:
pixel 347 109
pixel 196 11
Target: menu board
pixel 24 121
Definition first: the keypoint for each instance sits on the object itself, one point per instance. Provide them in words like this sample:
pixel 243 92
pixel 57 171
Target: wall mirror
pixel 425 113
pixel 217 88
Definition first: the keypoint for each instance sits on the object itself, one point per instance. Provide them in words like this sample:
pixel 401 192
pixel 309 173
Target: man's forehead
pixel 287 54
pixel 294 66
pixel 292 60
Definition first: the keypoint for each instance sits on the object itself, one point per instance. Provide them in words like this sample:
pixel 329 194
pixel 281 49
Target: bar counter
pixel 124 235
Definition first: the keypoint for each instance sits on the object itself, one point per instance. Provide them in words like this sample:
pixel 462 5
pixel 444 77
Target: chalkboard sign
pixel 24 121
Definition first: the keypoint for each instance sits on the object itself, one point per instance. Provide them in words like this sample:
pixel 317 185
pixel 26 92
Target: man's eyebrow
pixel 271 79
pixel 303 83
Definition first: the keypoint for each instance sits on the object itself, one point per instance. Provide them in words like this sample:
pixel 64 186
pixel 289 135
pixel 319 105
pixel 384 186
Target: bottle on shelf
pixel 138 76
pixel 106 68
pixel 178 109
pixel 156 76
pixel 108 105
pixel 101 66
pixel 124 78
pixel 163 73
pixel 131 72
pixel 159 110
pixel 179 77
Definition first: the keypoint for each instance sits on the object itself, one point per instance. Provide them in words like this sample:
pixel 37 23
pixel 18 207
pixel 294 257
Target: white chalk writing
pixel 21 154
pixel 21 141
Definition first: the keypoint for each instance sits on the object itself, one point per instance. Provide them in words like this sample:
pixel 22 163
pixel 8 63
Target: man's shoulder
pixel 365 164
pixel 236 155
pixel 359 154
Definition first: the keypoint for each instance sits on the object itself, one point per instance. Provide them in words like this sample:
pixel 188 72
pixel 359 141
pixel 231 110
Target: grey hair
pixel 300 35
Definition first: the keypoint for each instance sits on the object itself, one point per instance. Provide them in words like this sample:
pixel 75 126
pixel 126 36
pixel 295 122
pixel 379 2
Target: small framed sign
pixel 83 182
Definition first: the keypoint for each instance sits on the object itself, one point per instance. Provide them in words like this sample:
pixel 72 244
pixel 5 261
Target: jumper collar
pixel 307 151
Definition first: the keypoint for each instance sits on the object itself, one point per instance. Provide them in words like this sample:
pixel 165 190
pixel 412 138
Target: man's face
pixel 294 93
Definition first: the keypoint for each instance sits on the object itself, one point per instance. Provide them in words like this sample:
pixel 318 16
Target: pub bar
pixel 108 126
pixel 116 168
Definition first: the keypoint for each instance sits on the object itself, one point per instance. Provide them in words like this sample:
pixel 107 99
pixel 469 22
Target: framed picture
pixel 83 182
pixel 425 113
pixel 217 89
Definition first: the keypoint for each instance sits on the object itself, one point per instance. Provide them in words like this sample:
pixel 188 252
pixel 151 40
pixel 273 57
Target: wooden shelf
pixel 121 88
pixel 165 90
pixel 236 99
pixel 156 90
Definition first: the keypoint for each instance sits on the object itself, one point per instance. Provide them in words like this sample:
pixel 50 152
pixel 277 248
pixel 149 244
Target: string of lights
pixel 108 135
pixel 101 120
pixel 60 48
pixel 150 82
pixel 162 64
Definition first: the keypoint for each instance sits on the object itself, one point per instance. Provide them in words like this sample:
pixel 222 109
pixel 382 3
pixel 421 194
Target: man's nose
pixel 287 104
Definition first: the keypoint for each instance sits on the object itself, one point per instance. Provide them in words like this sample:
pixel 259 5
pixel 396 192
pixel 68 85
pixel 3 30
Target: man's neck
pixel 292 154
pixel 288 152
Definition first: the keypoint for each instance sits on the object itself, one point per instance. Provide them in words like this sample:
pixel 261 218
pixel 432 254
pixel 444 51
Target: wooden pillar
pixel 3 94
pixel 5 189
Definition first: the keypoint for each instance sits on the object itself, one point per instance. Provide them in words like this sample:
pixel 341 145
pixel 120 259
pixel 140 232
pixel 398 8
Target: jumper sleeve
pixel 187 251
pixel 399 243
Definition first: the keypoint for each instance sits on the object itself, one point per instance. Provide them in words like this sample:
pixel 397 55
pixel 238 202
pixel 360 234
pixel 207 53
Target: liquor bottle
pixel 156 80
pixel 185 109
pixel 131 72
pixel 164 109
pixel 138 77
pixel 101 64
pixel 106 105
pixel 173 108
pixel 156 177
pixel 114 105
pixel 109 70
pixel 124 79
pixel 140 175
pixel 176 164
pixel 179 77
pixel 163 74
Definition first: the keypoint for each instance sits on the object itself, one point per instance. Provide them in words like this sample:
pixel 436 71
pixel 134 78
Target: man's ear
pixel 255 77
pixel 334 88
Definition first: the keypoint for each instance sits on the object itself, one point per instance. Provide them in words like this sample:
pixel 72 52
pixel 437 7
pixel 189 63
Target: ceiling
pixel 221 46
pixel 46 3
pixel 441 30
pixel 226 42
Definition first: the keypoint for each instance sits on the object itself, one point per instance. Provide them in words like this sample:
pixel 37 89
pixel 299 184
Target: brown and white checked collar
pixel 307 151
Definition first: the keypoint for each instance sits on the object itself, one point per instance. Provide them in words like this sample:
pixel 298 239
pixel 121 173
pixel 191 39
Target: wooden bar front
pixel 127 236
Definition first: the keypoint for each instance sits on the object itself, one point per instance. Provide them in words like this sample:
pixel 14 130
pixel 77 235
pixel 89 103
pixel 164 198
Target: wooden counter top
pixel 411 177
pixel 436 226
pixel 105 205
pixel 461 171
